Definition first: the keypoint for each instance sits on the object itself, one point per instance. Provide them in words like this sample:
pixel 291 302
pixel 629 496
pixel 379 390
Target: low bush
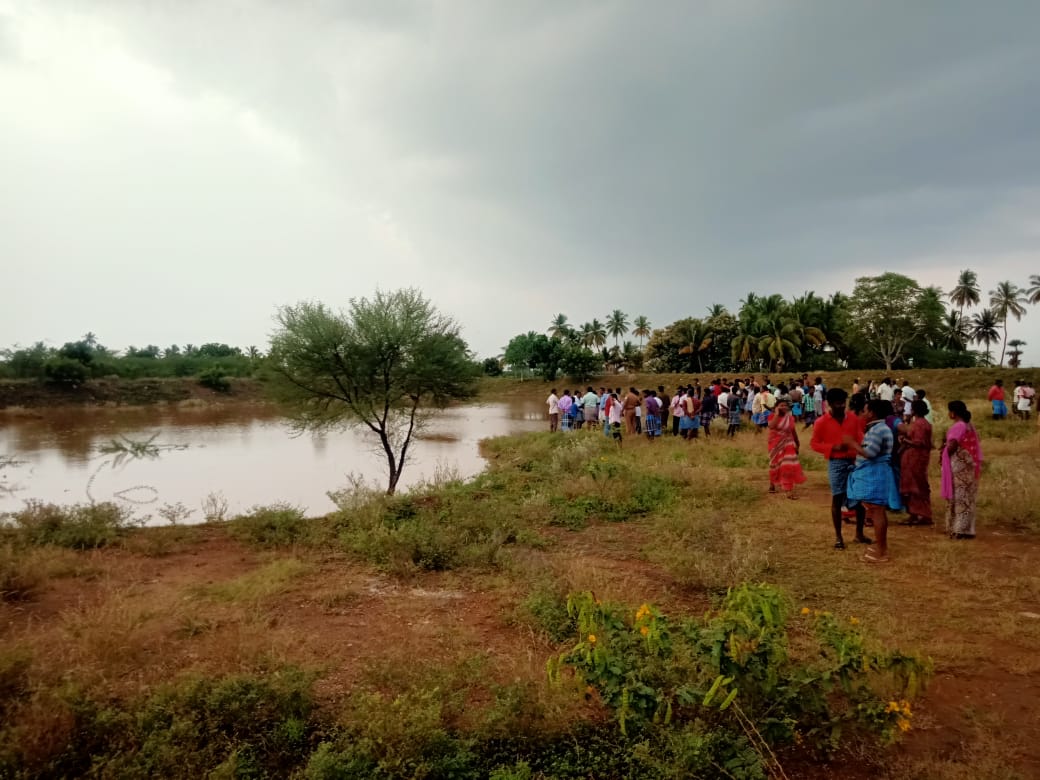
pixel 545 608
pixel 78 526
pixel 214 379
pixel 238 726
pixel 449 527
pixel 726 691
pixel 65 371
pixel 277 525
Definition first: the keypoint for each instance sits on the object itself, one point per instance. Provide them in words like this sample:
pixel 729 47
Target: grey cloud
pixel 515 147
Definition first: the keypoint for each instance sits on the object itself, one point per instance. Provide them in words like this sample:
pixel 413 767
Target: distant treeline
pixel 77 361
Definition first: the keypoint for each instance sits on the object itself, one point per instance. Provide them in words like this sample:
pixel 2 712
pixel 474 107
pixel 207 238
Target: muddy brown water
pixel 247 455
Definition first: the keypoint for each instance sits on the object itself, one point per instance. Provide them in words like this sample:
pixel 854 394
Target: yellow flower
pixel 806 610
pixel 592 639
pixel 854 621
pixel 893 706
pixel 644 630
pixel 904 724
pixel 643 612
pixel 905 708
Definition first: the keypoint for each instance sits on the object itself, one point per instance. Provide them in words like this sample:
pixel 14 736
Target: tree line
pixel 888 321
pixel 86 358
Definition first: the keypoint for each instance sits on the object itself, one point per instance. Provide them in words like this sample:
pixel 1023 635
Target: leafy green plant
pixel 546 608
pixel 733 673
pixel 79 526
pixel 214 379
pixel 241 726
pixel 277 525
pixel 65 371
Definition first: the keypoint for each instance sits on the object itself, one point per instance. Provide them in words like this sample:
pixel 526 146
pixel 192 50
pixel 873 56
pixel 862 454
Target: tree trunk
pixel 1003 346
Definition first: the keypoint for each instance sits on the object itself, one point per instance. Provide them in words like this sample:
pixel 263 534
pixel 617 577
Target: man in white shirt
pixel 886 391
pixel 909 394
pixel 554 410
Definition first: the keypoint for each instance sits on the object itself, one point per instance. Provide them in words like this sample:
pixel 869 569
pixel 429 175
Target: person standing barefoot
pixel 828 439
pixel 553 402
pixel 784 469
pixel 872 482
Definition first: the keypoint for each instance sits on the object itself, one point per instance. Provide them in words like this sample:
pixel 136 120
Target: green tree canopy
pixel 382 364
pixel 886 315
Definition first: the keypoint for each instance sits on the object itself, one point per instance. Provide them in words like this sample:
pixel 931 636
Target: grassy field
pixel 429 635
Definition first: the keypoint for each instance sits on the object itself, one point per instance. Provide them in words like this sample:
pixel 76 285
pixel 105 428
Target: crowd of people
pixel 877 440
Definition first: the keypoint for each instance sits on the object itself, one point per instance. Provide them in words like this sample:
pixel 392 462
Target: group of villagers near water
pixel 877 441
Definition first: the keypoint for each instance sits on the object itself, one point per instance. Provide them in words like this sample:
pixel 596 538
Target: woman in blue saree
pixel 872 481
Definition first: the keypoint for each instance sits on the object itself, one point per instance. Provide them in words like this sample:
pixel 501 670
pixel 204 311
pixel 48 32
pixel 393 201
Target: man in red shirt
pixel 828 439
pixel 996 397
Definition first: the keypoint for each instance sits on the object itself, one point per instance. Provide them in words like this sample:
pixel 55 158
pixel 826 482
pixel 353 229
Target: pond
pixel 244 455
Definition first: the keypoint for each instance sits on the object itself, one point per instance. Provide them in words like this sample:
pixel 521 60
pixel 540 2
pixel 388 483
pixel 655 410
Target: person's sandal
pixel 872 557
pixel 839 545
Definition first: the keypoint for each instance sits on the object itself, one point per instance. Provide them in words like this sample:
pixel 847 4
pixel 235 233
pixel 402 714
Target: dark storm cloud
pixel 517 147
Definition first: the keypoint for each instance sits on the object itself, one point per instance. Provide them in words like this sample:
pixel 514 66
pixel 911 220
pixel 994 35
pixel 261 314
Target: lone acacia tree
pixel 384 364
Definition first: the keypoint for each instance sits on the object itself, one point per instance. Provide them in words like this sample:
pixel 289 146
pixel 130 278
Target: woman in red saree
pixel 784 468
pixel 915 445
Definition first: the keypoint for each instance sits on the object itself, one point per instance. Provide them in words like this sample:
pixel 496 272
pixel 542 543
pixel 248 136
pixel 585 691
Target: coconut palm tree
pixel 1007 299
pixel 617 324
pixel 956 331
pixel 632 358
pixel 558 326
pixel 985 330
pixel 641 329
pixel 780 342
pixel 744 348
pixel 597 333
pixel 584 335
pixel 698 337
pixel 966 292
pixel 1034 288
pixel 716 310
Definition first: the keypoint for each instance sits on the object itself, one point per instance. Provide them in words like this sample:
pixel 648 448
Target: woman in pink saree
pixel 961 466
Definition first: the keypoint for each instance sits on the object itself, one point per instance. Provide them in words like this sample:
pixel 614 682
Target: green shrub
pixel 454 526
pixel 214 379
pixel 651 492
pixel 546 609
pixel 729 679
pixel 65 371
pixel 242 726
pixel 79 526
pixel 278 525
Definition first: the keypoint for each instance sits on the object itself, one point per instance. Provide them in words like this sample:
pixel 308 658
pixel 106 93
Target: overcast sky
pixel 172 171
